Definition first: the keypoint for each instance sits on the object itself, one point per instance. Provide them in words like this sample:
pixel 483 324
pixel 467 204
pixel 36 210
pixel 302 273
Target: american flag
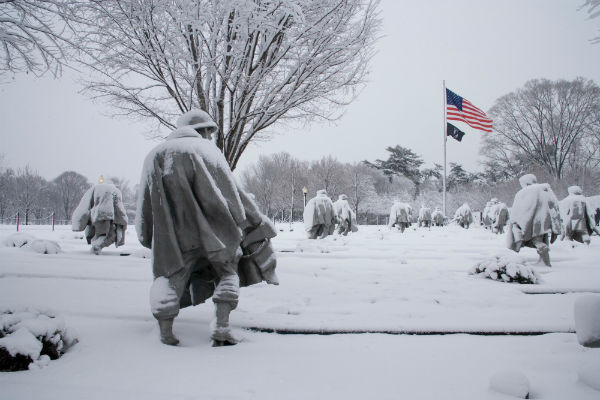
pixel 459 109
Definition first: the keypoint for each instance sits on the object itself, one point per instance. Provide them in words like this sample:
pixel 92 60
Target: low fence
pixel 283 217
pixel 19 220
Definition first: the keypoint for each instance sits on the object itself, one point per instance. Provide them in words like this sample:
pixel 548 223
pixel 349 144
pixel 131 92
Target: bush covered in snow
pixel 29 242
pixel 30 338
pixel 505 268
pixel 18 239
pixel 44 246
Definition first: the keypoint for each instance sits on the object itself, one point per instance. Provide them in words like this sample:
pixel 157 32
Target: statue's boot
pixel 166 332
pixel 545 257
pixel 221 335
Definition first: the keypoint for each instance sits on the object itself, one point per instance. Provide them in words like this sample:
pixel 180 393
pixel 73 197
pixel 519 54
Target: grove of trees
pixel 277 181
pixel 254 65
pixel 24 192
pixel 551 128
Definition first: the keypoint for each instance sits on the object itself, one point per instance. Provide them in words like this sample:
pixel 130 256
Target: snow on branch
pixel 34 35
pixel 250 64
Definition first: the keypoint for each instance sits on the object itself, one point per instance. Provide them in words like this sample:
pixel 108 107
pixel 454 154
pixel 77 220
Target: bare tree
pixel 593 9
pixel 34 35
pixel 542 123
pixel 295 177
pixel 250 64
pixel 327 173
pixel 7 191
pixel 361 184
pixel 129 195
pixel 266 181
pixel 69 187
pixel 30 186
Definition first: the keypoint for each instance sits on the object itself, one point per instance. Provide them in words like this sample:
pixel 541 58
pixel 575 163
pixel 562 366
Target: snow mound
pixel 310 246
pixel 505 268
pixel 18 239
pixel 142 253
pixel 72 235
pixel 587 323
pixel 589 373
pixel 30 338
pixel 44 246
pixel 512 383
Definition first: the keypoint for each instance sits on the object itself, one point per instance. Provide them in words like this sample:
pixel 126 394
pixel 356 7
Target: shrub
pixel 505 268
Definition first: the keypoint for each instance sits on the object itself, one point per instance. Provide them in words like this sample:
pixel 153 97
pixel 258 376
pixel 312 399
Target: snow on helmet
pixel 195 119
pixel 527 180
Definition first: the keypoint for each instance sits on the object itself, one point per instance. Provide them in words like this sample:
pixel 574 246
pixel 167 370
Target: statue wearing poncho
pixel 319 216
pixel 535 220
pixel 578 224
pixel 102 214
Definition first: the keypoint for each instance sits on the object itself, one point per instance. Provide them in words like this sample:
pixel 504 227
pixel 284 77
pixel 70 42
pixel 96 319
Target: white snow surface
pixel 589 373
pixel 512 383
pixel 377 281
pixel 587 320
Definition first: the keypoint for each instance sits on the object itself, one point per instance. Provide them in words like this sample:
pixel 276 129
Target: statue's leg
pixel 226 299
pixel 543 250
pixel 165 295
pixel 103 236
pixel 166 332
pixel 321 231
pixel 585 238
pixel 165 307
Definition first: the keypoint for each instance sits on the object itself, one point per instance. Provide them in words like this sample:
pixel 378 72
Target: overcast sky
pixel 482 49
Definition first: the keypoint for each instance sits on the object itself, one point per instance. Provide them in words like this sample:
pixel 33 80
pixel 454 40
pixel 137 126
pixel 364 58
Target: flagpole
pixel 445 138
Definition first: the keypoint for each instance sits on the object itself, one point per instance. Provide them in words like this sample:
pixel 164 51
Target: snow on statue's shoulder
pixel 183 141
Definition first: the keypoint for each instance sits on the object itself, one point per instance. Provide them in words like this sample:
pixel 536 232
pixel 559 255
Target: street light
pixel 304 192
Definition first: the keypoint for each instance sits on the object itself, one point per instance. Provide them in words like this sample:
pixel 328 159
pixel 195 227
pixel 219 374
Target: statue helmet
pixel 196 119
pixel 575 190
pixel 527 180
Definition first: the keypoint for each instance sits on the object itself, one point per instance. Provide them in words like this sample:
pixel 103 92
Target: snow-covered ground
pixel 372 288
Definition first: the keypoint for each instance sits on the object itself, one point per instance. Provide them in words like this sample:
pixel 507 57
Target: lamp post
pixel 304 192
